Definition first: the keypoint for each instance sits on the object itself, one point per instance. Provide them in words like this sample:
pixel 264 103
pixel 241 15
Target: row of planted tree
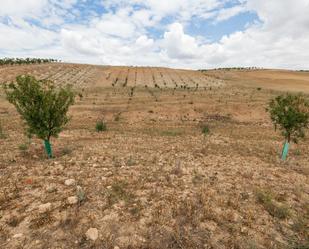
pixel 21 61
pixel 44 109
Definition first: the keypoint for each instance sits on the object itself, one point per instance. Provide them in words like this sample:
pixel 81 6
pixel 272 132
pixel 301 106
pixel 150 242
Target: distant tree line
pixel 232 68
pixel 20 61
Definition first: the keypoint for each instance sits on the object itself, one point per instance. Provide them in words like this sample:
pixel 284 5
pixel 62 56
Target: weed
pixel 205 129
pixel 117 117
pixel 131 161
pixel 274 209
pixel 172 133
pixel 41 220
pixel 66 151
pixel 2 135
pixel 297 152
pixel 300 225
pixel 23 147
pixel 80 193
pixel 197 177
pixel 177 169
pixel 299 245
pixel 14 221
pixel 118 192
pixel 100 126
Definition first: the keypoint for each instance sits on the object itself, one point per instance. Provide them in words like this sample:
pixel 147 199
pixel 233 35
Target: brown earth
pixel 153 180
pixel 281 80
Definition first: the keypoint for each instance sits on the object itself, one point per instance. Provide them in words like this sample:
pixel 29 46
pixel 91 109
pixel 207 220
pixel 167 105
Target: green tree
pixel 41 105
pixel 289 113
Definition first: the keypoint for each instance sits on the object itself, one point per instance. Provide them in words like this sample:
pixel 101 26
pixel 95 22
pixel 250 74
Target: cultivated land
pixel 153 180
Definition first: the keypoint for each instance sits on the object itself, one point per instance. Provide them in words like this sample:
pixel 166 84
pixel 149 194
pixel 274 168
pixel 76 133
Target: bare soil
pixel 153 179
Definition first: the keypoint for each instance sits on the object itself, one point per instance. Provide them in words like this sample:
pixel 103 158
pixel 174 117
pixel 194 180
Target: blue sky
pixel 175 33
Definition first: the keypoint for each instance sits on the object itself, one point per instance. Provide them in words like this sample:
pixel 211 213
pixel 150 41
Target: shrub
pixel 100 126
pixel 289 113
pixel 205 129
pixel 274 209
pixel 23 147
pixel 41 105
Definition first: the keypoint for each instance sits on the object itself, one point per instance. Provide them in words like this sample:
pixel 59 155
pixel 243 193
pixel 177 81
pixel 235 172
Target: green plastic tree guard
pixel 285 151
pixel 48 148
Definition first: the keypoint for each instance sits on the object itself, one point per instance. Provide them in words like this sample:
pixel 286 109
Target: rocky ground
pixel 153 179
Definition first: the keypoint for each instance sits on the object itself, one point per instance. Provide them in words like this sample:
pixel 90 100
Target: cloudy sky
pixel 174 33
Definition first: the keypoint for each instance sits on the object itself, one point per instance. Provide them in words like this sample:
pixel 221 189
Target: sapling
pixel 41 105
pixel 290 113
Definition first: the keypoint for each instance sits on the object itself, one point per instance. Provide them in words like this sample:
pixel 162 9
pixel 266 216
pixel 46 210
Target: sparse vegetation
pixel 20 61
pixel 205 129
pixel 152 182
pixel 2 135
pixel 100 126
pixel 277 210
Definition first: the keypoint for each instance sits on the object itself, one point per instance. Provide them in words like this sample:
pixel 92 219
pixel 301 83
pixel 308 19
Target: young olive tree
pixel 41 105
pixel 289 113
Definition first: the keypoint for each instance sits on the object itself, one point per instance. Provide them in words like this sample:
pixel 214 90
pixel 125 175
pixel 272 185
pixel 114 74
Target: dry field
pixel 153 180
pixel 281 80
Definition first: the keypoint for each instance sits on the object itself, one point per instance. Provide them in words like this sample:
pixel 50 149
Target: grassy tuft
pixel 205 129
pixel 274 209
pixel 100 126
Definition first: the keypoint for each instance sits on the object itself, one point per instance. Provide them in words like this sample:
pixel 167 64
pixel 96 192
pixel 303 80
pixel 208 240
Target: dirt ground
pixel 153 179
pixel 280 80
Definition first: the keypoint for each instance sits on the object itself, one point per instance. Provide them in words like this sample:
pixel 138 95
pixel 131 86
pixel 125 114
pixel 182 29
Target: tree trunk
pixel 48 148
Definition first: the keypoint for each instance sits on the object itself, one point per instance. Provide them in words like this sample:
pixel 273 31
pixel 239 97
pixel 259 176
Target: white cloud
pixel 22 8
pixel 179 45
pixel 123 36
pixel 225 14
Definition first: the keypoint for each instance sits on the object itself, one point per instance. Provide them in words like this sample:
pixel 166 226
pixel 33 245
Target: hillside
pixel 153 179
pixel 281 80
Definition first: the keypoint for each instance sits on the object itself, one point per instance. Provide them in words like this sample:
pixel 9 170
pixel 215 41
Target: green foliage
pixel 41 105
pixel 205 129
pixel 23 147
pixel 290 113
pixel 20 61
pixel 100 126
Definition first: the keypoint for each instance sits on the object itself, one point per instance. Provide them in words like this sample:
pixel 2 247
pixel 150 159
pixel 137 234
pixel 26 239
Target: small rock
pixel 92 234
pixel 18 235
pixel 69 182
pixel 72 200
pixel 45 207
pixel 116 247
pixel 210 226
pixel 51 189
pixel 108 174
pixel 244 230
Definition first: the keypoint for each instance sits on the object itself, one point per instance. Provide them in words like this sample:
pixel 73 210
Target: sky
pixel 191 34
